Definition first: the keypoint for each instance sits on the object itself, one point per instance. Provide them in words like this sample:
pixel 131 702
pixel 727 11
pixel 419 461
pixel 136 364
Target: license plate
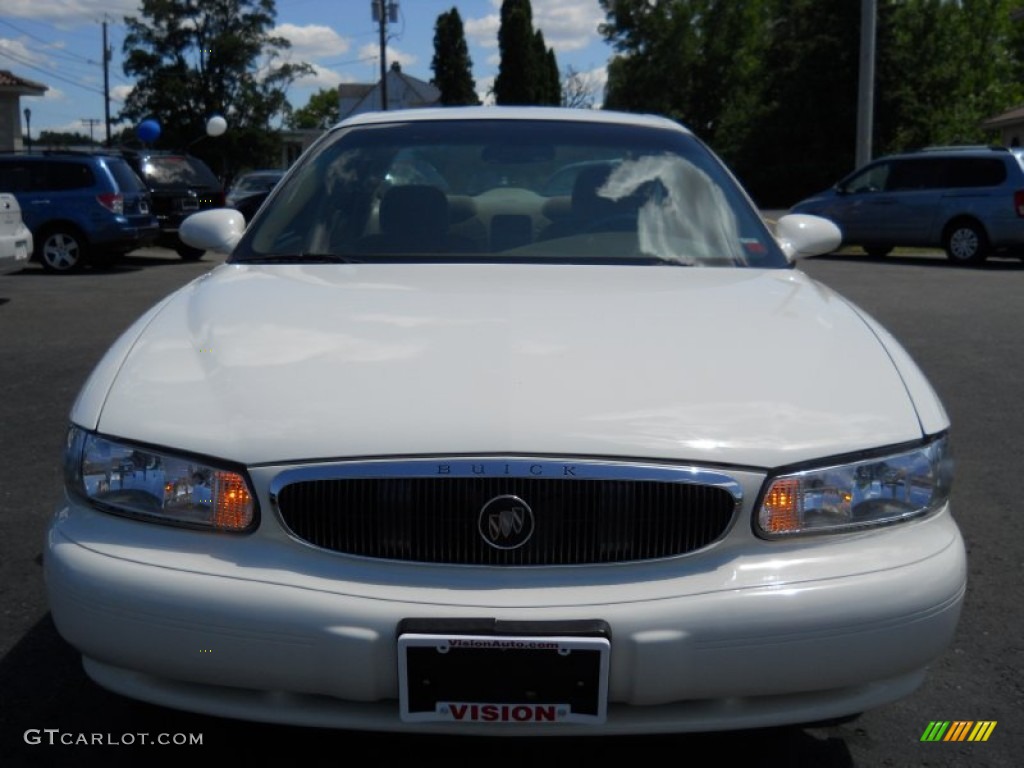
pixel 189 204
pixel 503 679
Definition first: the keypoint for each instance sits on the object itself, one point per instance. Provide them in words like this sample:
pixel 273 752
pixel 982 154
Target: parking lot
pixel 963 327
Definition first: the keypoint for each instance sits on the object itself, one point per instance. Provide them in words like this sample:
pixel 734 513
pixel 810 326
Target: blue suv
pixel 81 208
pixel 969 201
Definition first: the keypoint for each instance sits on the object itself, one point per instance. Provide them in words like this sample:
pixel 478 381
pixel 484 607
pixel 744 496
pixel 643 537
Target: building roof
pixel 404 91
pixel 11 83
pixel 1010 117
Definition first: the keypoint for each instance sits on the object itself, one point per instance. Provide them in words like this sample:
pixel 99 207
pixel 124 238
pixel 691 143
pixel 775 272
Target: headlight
pixel 154 485
pixel 844 497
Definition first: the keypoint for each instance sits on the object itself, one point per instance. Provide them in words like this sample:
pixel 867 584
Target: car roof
pixel 269 172
pixel 60 154
pixel 965 149
pixel 514 113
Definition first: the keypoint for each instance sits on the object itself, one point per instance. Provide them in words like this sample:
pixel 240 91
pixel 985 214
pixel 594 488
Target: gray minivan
pixel 967 200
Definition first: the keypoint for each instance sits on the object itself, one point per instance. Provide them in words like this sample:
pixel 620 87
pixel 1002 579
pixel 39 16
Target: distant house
pixel 404 92
pixel 1009 125
pixel 12 88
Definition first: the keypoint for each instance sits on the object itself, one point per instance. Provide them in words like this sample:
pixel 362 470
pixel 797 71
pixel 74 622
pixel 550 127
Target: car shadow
pixel 53 714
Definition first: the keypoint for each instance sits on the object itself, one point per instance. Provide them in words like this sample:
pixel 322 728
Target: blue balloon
pixel 148 131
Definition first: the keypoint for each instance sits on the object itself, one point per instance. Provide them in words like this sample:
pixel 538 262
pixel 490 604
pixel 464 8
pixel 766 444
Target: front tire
pixel 62 250
pixel 965 243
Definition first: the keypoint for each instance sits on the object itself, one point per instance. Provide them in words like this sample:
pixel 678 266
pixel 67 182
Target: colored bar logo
pixel 958 730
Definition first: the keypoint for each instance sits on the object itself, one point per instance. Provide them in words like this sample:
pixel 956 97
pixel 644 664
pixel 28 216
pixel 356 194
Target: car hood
pixel 280 363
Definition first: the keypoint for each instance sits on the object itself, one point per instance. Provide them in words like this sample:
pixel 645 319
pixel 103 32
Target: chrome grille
pixel 586 517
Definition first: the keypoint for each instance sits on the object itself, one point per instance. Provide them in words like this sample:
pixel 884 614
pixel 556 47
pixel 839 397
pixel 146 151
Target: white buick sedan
pixel 445 448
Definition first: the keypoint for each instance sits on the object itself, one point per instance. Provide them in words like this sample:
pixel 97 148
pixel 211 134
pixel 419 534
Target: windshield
pixel 177 171
pixel 511 190
pixel 256 182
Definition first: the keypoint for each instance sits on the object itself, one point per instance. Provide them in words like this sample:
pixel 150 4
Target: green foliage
pixel 62 139
pixel 965 64
pixel 453 68
pixel 191 60
pixel 807 129
pixel 528 71
pixel 321 111
pixel 772 85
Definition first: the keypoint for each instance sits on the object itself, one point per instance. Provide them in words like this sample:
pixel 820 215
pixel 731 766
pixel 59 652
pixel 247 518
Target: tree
pixel 452 65
pixel 961 57
pixel 696 61
pixel 579 90
pixel 548 84
pixel 192 60
pixel 321 111
pixel 805 137
pixel 528 70
pixel 63 139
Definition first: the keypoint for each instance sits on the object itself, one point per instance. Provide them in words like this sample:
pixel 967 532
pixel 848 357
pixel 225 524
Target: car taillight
pixel 1018 202
pixel 112 201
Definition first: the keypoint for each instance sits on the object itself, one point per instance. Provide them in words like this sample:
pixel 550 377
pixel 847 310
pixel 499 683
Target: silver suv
pixel 967 200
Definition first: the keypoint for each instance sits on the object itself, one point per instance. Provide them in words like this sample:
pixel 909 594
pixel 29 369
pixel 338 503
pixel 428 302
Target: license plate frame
pixel 503 678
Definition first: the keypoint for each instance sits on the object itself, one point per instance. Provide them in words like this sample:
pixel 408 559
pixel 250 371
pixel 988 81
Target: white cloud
pixel 18 49
pixel 483 90
pixel 483 31
pixel 372 50
pixel 568 25
pixel 312 41
pixel 54 94
pixel 322 77
pixel 67 12
pixel 120 92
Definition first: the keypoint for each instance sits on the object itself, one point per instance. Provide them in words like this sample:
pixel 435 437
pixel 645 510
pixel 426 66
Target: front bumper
pixel 269 629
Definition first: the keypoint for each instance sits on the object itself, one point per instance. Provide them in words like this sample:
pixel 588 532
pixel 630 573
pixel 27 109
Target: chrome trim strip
pixel 518 466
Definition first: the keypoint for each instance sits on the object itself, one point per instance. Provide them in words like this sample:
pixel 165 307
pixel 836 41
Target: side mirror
pixel 802 235
pixel 217 230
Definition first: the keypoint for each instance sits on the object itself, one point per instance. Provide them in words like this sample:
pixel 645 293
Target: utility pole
pixel 91 122
pixel 866 87
pixel 106 84
pixel 384 11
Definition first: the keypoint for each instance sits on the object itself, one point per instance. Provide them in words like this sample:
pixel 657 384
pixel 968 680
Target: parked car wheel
pixel 965 243
pixel 62 249
pixel 188 253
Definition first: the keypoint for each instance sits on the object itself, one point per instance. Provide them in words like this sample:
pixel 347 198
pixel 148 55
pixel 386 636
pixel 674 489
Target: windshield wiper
pixel 300 258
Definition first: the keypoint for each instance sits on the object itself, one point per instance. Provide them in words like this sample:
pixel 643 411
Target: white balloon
pixel 216 125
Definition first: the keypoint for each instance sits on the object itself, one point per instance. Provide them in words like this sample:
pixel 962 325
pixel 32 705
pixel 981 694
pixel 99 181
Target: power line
pixel 53 75
pixel 51 51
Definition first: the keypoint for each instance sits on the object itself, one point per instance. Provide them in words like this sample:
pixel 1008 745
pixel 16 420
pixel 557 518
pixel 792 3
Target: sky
pixel 59 43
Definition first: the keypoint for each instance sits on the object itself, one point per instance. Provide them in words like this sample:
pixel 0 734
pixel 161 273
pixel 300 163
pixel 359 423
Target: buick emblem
pixel 506 522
